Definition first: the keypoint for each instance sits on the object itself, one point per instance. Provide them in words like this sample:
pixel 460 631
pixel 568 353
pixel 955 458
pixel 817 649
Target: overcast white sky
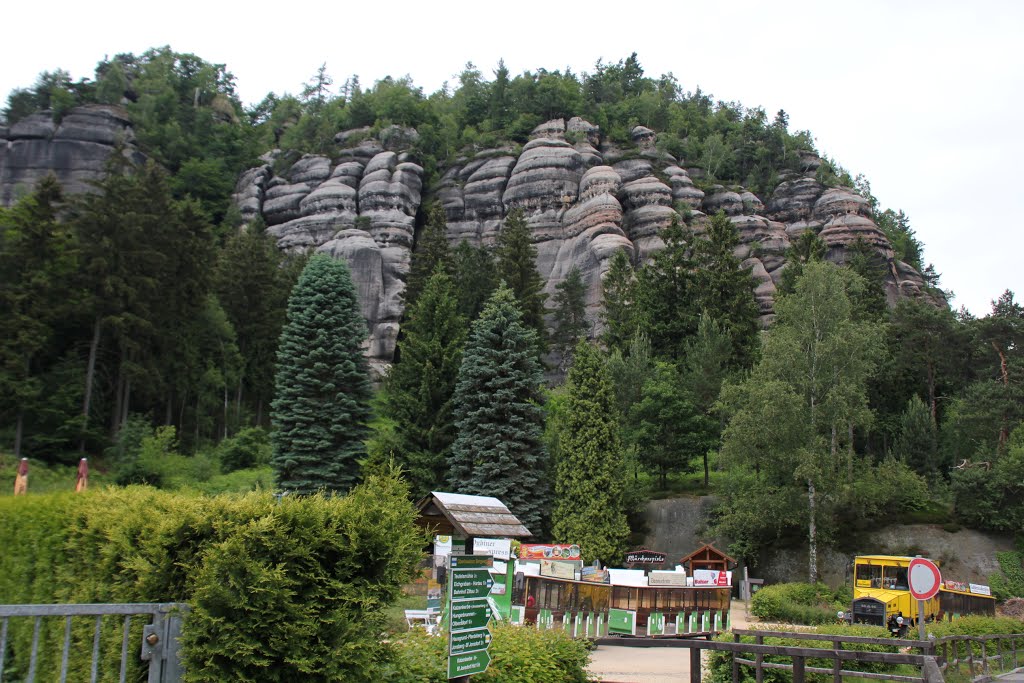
pixel 925 98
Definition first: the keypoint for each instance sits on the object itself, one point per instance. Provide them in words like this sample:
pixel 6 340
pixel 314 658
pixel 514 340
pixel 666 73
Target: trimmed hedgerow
pixel 280 591
pixel 798 603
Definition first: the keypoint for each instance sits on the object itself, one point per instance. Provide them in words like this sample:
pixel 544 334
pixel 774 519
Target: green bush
pixel 799 603
pixel 720 663
pixel 1009 582
pixel 249 448
pixel 280 591
pixel 518 655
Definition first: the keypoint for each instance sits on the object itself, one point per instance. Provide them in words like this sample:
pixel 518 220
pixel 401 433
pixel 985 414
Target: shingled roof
pixel 477 516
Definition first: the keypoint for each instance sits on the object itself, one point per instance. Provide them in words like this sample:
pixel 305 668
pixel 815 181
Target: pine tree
pixel 321 405
pixel 474 278
pixel 499 451
pixel 618 315
pixel 589 509
pixel 666 293
pixel 517 266
pixel 724 290
pixel 421 384
pixel 431 250
pixel 570 316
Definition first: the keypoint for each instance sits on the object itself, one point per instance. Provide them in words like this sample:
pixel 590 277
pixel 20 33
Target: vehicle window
pixel 869 576
pixel 896 578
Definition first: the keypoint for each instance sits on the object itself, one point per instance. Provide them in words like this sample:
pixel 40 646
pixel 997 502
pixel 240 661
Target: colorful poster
pixel 594 575
pixel 548 551
pixel 558 569
pixel 710 577
pixel 955 586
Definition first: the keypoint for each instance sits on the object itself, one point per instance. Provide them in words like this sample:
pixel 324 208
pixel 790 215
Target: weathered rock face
pixel 583 198
pixel 360 206
pixel 75 150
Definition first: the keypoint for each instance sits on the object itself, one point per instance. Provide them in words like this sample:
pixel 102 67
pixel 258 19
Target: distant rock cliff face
pixel 583 198
pixel 75 150
pixel 360 206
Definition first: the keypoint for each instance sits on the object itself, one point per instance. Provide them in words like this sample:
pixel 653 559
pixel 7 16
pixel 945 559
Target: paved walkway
pixel 617 664
pixel 1016 676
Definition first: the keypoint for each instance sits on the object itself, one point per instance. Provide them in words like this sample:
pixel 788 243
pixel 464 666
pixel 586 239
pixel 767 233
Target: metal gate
pixel 158 647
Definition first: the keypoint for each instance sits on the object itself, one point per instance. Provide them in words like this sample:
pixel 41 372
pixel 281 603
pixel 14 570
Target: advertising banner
pixel 709 577
pixel 978 589
pixel 548 551
pixel 558 569
pixel 645 557
pixel 594 575
pixel 443 545
pixel 956 586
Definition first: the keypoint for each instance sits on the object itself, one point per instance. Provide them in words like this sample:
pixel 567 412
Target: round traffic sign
pixel 925 578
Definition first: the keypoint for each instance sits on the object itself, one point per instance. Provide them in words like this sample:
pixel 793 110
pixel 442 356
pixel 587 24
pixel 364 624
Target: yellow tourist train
pixel 881 591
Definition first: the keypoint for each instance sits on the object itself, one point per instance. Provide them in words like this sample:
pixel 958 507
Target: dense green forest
pixel 142 326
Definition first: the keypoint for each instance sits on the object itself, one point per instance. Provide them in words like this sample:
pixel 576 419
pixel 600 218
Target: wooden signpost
pixel 469 613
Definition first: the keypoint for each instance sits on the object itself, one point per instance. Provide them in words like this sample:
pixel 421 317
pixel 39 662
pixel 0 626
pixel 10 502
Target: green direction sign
pixel 470 641
pixel 468 664
pixel 472 561
pixel 469 614
pixel 470 583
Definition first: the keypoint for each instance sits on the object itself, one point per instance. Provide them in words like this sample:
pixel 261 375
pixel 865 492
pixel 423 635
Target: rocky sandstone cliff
pixel 583 198
pixel 75 150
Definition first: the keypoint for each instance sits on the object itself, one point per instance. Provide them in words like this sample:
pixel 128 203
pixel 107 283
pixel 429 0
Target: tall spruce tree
pixel 570 316
pixel 589 507
pixel 322 401
pixel 474 276
pixel 724 290
pixel 431 250
pixel 421 384
pixel 499 450
pixel 618 314
pixel 517 266
pixel 666 293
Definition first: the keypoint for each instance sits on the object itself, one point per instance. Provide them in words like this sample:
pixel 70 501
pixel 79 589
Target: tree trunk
pixel 126 405
pixel 226 404
pixel 115 413
pixel 931 393
pixel 1004 429
pixel 705 469
pixel 195 431
pixel 90 372
pixel 812 533
pixel 849 452
pixel 238 403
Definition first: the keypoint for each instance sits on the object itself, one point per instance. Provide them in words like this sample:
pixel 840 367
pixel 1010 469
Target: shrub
pixel 248 448
pixel 518 655
pixel 798 603
pixel 280 591
pixel 1009 582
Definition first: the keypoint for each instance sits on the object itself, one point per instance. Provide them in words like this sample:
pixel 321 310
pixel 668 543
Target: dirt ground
pixel 616 664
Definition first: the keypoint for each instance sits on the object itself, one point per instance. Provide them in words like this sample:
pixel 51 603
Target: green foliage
pixel 618 315
pixel 570 315
pixel 431 251
pixel 516 263
pixel 1009 582
pixel 474 278
pixel 315 571
pixel 421 385
pixel 518 655
pixel 589 498
pixel 797 603
pixel 666 293
pixel 322 397
pixel 248 448
pixel 498 450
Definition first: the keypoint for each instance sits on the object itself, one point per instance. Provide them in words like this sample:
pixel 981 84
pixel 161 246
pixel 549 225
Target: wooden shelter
pixel 707 557
pixel 464 516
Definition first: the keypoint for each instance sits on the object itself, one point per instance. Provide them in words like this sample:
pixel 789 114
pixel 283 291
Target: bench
pixel 427 618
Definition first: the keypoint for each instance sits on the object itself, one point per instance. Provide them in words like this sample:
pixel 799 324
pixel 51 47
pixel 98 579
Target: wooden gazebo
pixel 707 557
pixel 467 517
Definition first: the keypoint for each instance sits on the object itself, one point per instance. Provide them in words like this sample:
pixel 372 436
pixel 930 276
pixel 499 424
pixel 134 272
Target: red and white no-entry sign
pixel 924 578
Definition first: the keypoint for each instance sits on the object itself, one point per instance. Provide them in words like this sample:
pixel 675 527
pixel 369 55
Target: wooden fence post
pixel 759 661
pixel 694 665
pixel 735 664
pixel 798 670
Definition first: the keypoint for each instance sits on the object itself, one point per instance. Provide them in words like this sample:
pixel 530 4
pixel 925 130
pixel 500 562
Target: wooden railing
pixel 984 656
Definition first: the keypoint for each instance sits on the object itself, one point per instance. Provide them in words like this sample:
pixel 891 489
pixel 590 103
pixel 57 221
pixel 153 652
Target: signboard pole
pixel 920 620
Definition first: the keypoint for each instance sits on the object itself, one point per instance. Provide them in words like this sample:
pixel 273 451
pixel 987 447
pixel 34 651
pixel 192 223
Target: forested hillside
pixel 656 226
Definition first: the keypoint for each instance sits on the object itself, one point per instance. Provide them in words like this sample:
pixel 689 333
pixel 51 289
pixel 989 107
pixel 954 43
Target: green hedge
pixel 798 603
pixel 519 654
pixel 280 591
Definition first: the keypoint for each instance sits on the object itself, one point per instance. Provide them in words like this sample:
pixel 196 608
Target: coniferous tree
pixel 498 450
pixel 431 249
pixel 36 262
pixel 589 509
pixel 570 316
pixel 666 293
pixel 618 313
pixel 474 278
pixel 252 282
pixel 421 384
pixel 517 266
pixel 724 290
pixel 322 388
